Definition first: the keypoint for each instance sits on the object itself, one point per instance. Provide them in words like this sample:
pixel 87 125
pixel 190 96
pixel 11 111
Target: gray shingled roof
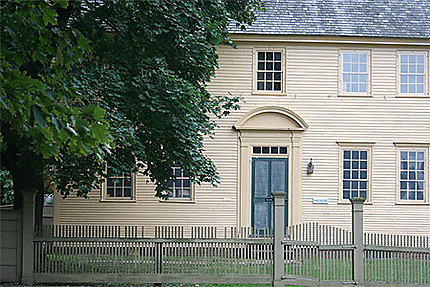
pixel 367 18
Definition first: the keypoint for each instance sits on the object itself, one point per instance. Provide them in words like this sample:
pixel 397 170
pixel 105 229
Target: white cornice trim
pixel 343 40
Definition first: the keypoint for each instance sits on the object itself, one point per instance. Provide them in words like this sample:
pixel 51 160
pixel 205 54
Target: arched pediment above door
pixel 271 118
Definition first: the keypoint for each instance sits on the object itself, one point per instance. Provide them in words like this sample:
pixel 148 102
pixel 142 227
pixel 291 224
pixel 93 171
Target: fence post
pixel 158 261
pixel 357 235
pixel 27 236
pixel 278 237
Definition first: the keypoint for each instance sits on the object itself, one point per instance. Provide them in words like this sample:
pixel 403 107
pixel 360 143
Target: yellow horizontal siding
pixel 312 92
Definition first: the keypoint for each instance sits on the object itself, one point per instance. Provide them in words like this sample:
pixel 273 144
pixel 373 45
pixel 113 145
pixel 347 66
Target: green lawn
pixel 127 264
pixel 393 270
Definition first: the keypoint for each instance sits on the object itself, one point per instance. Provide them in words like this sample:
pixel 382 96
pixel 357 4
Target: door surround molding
pixel 270 126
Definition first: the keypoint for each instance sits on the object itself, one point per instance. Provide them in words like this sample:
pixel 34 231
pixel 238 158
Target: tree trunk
pixel 39 200
pixel 26 168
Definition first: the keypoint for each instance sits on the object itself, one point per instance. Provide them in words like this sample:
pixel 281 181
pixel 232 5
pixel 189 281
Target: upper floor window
pixel 269 71
pixel 181 187
pixel 119 186
pixel 412 174
pixel 355 172
pixel 355 72
pixel 413 73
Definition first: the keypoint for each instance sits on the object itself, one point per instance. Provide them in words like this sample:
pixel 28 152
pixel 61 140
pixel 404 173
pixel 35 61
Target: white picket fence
pixel 316 253
pixel 160 254
pixel 397 258
pixel 313 253
pixel 307 254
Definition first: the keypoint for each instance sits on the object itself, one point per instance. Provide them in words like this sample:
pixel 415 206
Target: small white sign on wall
pixel 319 200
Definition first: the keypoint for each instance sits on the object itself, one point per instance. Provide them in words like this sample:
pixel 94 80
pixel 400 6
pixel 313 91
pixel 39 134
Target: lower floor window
pixel 119 186
pixel 355 175
pixel 181 186
pixel 412 174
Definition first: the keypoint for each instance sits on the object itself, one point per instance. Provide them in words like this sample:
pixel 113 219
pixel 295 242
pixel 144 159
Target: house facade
pixel 335 104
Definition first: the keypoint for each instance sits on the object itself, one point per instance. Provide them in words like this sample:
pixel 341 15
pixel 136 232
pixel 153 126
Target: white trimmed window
pixel 412 73
pixel 119 186
pixel 412 175
pixel 269 71
pixel 355 72
pixel 181 187
pixel 355 172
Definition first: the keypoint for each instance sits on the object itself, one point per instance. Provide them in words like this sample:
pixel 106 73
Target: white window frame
pixel 106 198
pixel 426 72
pixel 191 199
pixel 368 93
pixel 413 147
pixel 283 52
pixel 359 146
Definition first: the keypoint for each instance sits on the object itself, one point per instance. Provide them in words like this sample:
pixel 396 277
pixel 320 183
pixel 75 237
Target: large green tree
pixel 85 83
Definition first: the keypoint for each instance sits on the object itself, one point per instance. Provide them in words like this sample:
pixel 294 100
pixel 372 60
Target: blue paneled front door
pixel 268 175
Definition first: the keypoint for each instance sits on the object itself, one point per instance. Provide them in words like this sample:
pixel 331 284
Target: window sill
pixel 118 200
pixel 176 201
pixel 412 96
pixel 408 202
pixel 261 93
pixel 349 203
pixel 357 95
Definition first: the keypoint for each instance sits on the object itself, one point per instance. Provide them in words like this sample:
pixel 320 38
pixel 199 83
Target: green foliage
pixel 39 99
pixel 6 187
pixel 81 78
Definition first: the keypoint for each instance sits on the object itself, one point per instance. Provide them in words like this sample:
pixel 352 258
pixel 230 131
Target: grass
pixel 397 270
pixel 376 269
pixel 127 264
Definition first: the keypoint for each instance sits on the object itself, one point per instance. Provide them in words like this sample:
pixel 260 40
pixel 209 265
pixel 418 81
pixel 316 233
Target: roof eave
pixel 338 39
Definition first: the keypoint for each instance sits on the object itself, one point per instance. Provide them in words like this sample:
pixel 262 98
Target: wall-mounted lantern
pixel 310 169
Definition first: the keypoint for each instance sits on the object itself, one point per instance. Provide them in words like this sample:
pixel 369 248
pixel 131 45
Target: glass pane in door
pixel 261 178
pixel 261 213
pixel 278 176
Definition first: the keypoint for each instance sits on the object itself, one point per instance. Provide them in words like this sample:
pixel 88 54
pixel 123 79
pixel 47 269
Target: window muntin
pixel 412 175
pixel 412 73
pixel 355 72
pixel 267 150
pixel 355 173
pixel 269 71
pixel 119 186
pixel 181 187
